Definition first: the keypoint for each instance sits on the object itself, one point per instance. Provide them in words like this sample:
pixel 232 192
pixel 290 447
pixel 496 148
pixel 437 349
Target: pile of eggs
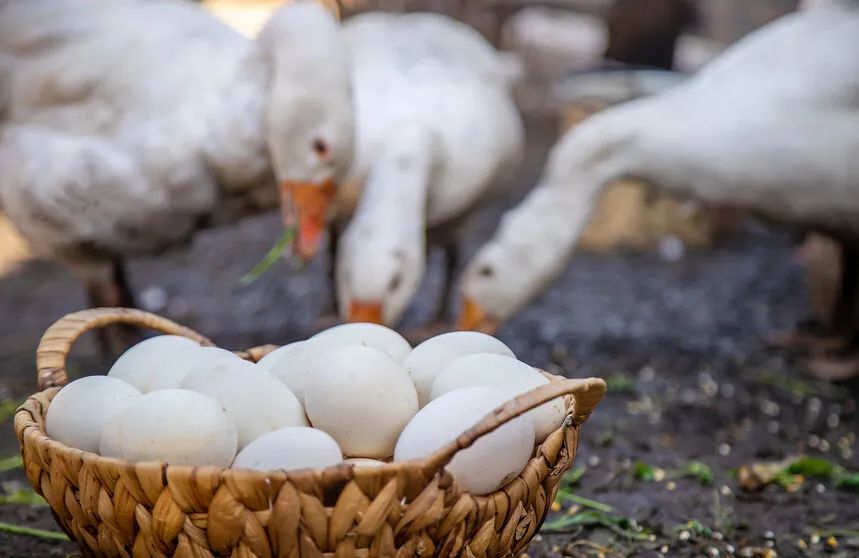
pixel 356 392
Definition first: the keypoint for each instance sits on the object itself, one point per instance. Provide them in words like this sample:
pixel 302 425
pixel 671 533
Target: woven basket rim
pixel 30 417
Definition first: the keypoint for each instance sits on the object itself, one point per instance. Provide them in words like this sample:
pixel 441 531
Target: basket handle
pixel 587 394
pixel 58 339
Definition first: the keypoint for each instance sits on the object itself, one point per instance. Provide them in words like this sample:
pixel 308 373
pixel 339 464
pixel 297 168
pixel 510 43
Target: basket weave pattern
pixel 111 507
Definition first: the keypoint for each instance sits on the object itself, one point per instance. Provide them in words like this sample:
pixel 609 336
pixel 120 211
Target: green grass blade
pixel 586 502
pixel 847 481
pixel 270 258
pixel 583 518
pixel 22 496
pixel 31 532
pixel 643 471
pixel 574 476
pixel 816 467
pixel 697 470
pixel 8 408
pixel 623 526
pixel 11 463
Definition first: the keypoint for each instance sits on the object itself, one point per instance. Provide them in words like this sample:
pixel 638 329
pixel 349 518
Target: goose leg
pixel 844 318
pixel 809 334
pixel 831 279
pixel 333 243
pixel 439 322
pixel 842 362
pixel 451 263
pixel 113 291
pixel 330 315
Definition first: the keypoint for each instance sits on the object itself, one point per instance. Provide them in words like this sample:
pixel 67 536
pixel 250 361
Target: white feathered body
pixel 771 126
pixel 424 71
pixel 436 126
pixel 785 138
pixel 117 140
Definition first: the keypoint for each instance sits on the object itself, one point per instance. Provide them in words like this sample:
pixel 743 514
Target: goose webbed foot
pixel 838 361
pixel 835 367
pixel 809 336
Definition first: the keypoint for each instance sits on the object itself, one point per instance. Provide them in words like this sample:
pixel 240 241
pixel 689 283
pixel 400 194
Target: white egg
pixel 293 368
pixel 214 354
pixel 173 375
pixel 511 376
pixel 290 448
pixel 266 362
pixel 210 355
pixel 210 360
pixel 364 462
pixel 212 368
pixel 433 355
pixel 109 440
pixel 492 461
pixel 256 401
pixel 376 336
pixel 177 426
pixel 362 398
pixel 80 410
pixel 155 363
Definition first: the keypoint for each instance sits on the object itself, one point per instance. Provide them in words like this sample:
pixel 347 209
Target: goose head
pixel 514 267
pixel 378 273
pixel 534 240
pixel 309 115
pixel 494 286
pixel 382 255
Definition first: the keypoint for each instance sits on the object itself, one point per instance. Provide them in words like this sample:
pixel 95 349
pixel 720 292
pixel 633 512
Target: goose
pixel 435 126
pixel 770 126
pixel 127 125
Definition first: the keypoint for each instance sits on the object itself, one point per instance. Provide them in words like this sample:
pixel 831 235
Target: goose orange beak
pixel 360 311
pixel 475 318
pixel 307 205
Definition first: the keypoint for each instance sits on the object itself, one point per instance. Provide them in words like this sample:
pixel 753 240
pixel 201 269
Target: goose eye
pixel 486 271
pixel 320 147
pixel 395 282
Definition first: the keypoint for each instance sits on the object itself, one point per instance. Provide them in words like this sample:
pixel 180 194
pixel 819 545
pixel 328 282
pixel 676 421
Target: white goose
pixel 127 123
pixel 435 126
pixel 771 126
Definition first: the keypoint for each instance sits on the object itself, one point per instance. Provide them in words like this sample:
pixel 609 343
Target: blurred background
pixel 670 301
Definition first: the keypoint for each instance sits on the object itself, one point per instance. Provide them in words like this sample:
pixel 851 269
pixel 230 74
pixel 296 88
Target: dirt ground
pixel 694 391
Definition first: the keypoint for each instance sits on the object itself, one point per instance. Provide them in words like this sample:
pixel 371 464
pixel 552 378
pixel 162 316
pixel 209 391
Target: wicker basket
pixel 112 507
